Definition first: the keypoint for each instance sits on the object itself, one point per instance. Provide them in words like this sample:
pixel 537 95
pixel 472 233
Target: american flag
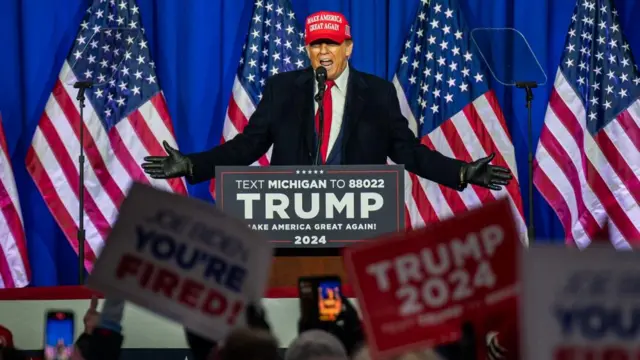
pixel 444 92
pixel 587 163
pixel 274 44
pixel 125 119
pixel 14 264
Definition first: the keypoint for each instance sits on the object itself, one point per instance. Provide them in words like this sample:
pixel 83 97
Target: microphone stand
pixel 319 97
pixel 527 86
pixel 81 86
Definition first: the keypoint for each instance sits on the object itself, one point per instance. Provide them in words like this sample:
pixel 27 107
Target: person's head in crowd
pixel 76 354
pixel 363 354
pixel 7 350
pixel 6 338
pixel 420 355
pixel 316 345
pixel 202 348
pixel 249 344
pixel 10 353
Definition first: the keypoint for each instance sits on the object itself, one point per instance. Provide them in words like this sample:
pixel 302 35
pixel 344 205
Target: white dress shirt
pixel 338 99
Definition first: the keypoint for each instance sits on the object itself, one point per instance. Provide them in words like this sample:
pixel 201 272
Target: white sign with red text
pixel 417 289
pixel 184 259
pixel 581 305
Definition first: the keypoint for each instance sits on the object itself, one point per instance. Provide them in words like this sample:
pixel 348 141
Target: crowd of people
pixel 342 339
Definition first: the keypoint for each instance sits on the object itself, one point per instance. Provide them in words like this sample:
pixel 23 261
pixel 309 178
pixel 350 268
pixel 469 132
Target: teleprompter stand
pixel 512 63
pixel 527 86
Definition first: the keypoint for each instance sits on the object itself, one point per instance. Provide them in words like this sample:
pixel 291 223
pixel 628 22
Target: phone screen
pixel 59 335
pixel 320 297
pixel 329 299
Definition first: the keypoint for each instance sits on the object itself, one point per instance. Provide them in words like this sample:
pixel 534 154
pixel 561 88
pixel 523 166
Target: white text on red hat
pixel 324 26
pixel 324 17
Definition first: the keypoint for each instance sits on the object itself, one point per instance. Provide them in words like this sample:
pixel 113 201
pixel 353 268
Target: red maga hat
pixel 327 25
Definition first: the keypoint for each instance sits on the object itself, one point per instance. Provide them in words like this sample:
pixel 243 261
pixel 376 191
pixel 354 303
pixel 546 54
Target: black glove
pixel 482 174
pixel 166 167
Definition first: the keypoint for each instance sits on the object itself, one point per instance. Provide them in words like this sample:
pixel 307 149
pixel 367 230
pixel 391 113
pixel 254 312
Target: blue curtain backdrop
pixel 196 46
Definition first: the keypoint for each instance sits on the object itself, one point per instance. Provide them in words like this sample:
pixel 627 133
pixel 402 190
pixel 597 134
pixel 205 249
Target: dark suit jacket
pixel 374 129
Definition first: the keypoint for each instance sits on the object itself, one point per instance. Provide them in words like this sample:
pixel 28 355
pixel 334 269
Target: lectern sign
pixel 328 206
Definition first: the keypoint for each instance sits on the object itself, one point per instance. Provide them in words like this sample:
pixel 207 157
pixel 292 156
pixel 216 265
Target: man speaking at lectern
pixel 362 123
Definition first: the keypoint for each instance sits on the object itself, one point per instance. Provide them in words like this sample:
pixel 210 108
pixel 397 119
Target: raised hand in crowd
pixel 92 316
pixel 91 320
pixel 347 327
pixel 102 338
pixel 256 318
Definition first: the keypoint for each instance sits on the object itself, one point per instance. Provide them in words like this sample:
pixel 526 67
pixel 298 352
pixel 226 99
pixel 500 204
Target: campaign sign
pixel 416 290
pixel 326 206
pixel 581 305
pixel 183 259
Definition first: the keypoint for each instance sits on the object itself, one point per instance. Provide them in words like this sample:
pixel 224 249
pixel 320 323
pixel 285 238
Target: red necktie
pixel 326 104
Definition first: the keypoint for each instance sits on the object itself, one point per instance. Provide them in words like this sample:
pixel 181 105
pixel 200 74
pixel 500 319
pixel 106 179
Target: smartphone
pixel 59 334
pixel 320 297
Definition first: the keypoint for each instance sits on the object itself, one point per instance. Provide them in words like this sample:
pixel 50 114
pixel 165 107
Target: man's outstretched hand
pixel 167 167
pixel 481 173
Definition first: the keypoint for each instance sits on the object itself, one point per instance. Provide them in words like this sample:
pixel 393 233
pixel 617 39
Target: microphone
pixel 321 78
pixel 82 85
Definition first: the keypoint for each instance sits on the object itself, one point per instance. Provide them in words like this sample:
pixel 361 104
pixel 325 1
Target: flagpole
pixel 82 86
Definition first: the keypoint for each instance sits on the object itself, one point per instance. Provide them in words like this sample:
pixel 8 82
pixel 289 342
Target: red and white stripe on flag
pixel 112 161
pixel 476 131
pixel 239 112
pixel 587 164
pixel 237 117
pixel 125 119
pixel 590 181
pixel 14 263
pixel 253 71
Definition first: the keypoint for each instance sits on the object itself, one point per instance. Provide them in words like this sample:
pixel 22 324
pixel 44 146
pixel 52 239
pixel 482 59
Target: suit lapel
pixel 356 88
pixel 304 108
pixel 354 104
